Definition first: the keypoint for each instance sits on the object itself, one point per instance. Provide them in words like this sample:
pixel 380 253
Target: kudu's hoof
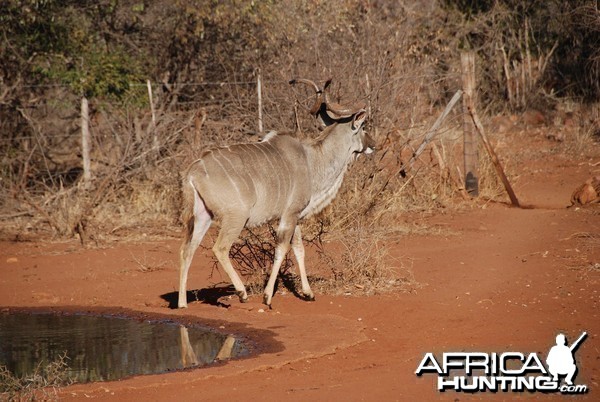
pixel 243 297
pixel 308 297
pixel 267 301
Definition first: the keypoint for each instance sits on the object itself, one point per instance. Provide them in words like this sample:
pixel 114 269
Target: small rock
pixel 587 193
pixel 532 118
pixel 12 260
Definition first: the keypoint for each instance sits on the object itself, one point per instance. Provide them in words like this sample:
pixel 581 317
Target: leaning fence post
pixel 432 131
pixel 497 165
pixel 85 139
pixel 471 162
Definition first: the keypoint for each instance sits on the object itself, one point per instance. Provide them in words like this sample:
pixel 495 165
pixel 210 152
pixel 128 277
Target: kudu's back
pixel 258 181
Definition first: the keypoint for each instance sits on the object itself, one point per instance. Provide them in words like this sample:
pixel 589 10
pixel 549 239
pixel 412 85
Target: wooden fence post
pixel 471 162
pixel 155 144
pixel 259 95
pixel 85 139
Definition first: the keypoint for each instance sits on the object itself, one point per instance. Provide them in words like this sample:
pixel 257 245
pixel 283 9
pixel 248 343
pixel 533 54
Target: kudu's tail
pixel 187 214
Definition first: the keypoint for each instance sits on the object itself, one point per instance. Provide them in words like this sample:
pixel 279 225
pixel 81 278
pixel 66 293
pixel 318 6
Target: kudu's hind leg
pixel 201 222
pixel 231 228
pixel 298 249
pixel 285 232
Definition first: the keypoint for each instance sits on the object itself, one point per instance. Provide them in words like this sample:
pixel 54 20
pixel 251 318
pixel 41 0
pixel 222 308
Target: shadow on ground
pixel 207 296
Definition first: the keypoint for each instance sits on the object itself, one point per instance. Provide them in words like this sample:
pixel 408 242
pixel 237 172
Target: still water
pixel 104 348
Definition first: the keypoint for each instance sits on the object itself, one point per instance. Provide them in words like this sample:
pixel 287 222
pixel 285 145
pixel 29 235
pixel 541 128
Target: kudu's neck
pixel 328 161
pixel 334 151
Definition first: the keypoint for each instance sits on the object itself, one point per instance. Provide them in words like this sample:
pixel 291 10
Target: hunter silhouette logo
pixel 560 359
pixel 507 371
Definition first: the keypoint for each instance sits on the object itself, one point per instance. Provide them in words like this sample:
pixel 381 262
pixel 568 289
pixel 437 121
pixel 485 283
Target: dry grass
pixel 356 260
pixel 149 264
pixel 41 385
pixel 583 139
pixel 362 264
pixel 585 256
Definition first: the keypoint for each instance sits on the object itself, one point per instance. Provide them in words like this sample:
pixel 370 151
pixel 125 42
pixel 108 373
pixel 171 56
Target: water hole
pixel 105 348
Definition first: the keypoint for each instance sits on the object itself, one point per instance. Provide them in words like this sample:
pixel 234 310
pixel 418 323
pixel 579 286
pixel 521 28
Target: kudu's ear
pixel 359 119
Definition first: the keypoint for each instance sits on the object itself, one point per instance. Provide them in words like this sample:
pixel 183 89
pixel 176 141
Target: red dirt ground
pixel 499 279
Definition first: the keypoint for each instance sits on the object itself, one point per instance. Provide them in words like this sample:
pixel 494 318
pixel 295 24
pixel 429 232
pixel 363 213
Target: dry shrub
pixel 42 384
pixel 155 200
pixel 578 126
pixel 588 246
pixel 362 265
pixel 148 264
pixel 490 185
pixel 66 211
pixel 133 181
pixel 352 265
pixel 350 261
pixel 254 254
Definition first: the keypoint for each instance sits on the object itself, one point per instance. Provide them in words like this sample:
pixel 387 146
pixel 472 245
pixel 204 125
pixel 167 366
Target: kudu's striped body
pixel 246 185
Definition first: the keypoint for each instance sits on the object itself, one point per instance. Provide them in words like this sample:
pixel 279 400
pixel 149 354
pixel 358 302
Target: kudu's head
pixel 328 113
pixel 361 141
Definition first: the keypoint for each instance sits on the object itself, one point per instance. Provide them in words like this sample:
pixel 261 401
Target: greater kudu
pixel 281 177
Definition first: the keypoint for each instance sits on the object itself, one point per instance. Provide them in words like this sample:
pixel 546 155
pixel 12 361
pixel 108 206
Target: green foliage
pixel 61 42
pixel 32 26
pixel 96 74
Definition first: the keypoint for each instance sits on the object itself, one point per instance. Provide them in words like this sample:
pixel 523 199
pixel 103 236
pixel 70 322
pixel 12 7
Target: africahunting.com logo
pixel 507 371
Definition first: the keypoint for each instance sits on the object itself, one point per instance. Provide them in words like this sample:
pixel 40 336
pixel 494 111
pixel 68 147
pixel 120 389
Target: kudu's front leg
pixel 298 249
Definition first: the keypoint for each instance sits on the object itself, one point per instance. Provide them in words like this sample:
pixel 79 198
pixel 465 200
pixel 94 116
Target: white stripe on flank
pixel 289 175
pixel 287 167
pixel 205 169
pixel 274 170
pixel 229 177
pixel 246 181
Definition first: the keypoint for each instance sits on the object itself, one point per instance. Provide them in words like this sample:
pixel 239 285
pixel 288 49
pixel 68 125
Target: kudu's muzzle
pixel 368 144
